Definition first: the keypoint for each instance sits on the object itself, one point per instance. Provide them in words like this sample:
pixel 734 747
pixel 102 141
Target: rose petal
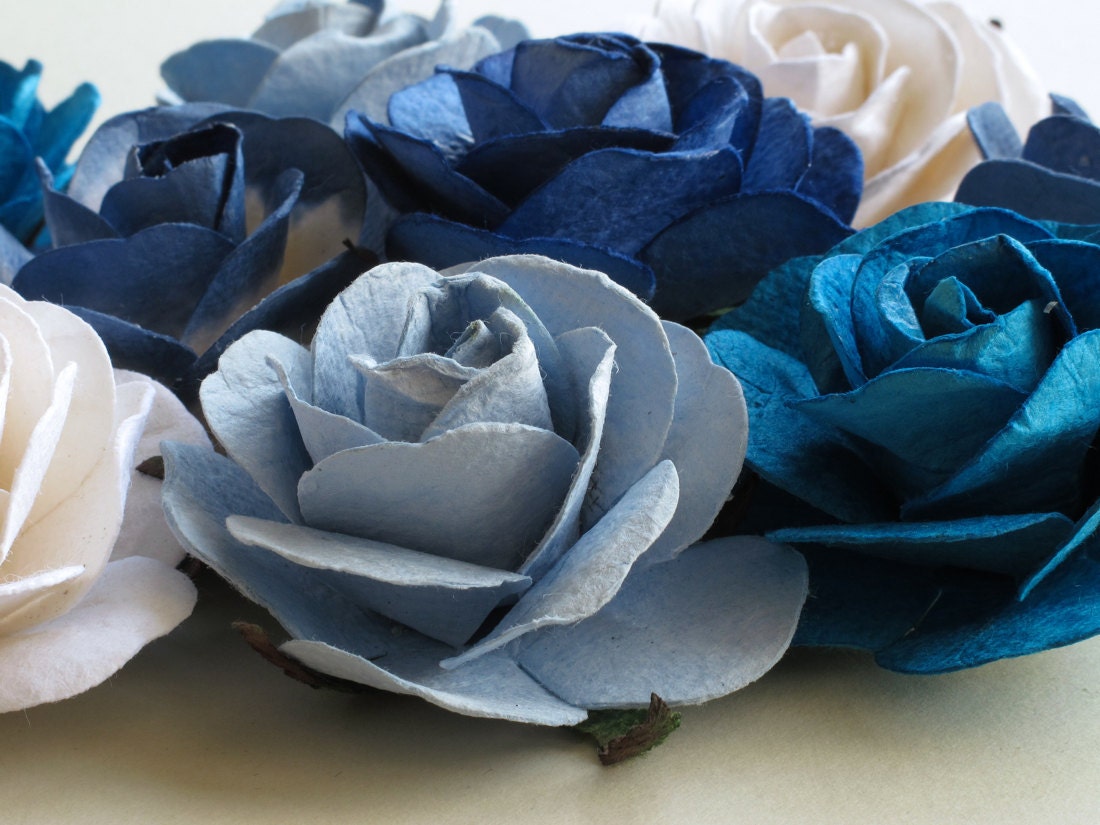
pixel 666 630
pixel 223 70
pixel 133 602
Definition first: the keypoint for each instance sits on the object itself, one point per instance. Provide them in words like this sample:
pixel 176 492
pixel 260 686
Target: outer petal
pixel 133 602
pixel 700 626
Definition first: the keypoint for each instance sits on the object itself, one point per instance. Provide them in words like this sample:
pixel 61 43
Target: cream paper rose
pixel 896 76
pixel 71 613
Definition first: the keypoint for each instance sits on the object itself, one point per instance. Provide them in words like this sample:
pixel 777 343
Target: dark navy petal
pixel 782 152
pixel 491 110
pixel 835 176
pixel 440 243
pixel 1066 144
pixel 713 258
pixel 1031 190
pixel 1075 268
pixel 132 347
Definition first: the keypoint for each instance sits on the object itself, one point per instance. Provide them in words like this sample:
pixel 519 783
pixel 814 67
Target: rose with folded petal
pixel 319 59
pixel 1053 175
pixel 663 168
pixel 897 76
pixel 929 392
pixel 185 227
pixel 71 613
pixel 477 488
pixel 28 131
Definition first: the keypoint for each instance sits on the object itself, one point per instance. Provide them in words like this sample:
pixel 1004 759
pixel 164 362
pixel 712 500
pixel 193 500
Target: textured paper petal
pixel 443 599
pixel 1076 268
pixel 223 70
pixel 700 626
pixel 643 391
pixel 588 576
pixel 249 414
pixel 993 131
pixel 1031 190
pixel 1013 545
pixel 12 256
pixel 133 602
pixel 292 21
pixel 201 490
pixel 502 485
pixel 706 443
pixel 1064 144
pixel 440 243
pixel 817 463
pixel 144 531
pixel 759 232
pixel 493 686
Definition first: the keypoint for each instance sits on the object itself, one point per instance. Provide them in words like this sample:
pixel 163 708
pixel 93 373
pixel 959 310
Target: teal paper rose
pixel 924 402
pixel 483 488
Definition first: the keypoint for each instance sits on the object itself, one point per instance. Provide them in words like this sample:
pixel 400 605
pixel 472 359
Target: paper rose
pixel 70 615
pixel 185 227
pixel 897 76
pixel 318 59
pixel 28 131
pixel 933 401
pixel 476 487
pixel 661 167
pixel 1050 176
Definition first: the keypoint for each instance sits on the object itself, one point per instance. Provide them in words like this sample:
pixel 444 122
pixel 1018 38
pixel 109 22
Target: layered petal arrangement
pixel 477 487
pixel 28 131
pixel 1053 175
pixel 71 614
pixel 320 59
pixel 896 75
pixel 928 391
pixel 185 227
pixel 663 168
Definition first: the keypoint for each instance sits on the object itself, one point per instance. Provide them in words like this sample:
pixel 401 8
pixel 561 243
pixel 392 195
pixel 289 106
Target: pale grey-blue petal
pixel 705 624
pixel 485 493
pixel 589 575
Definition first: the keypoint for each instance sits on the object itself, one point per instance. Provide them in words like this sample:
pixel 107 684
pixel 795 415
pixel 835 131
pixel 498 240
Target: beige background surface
pixel 199 729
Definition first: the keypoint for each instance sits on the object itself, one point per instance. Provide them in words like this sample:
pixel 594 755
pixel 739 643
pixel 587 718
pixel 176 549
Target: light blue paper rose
pixel 28 131
pixel 1053 175
pixel 477 488
pixel 666 169
pixel 185 227
pixel 318 59
pixel 927 397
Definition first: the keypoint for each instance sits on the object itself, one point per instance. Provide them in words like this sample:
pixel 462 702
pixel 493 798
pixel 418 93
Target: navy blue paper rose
pixel 28 131
pixel 185 227
pixel 926 399
pixel 322 58
pixel 664 168
pixel 1053 175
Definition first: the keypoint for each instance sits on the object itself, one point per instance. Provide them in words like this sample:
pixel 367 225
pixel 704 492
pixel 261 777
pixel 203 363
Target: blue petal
pixel 18 92
pixel 440 243
pixel 1035 462
pixel 432 111
pixel 713 258
pixel 1075 268
pixel 828 338
pixel 1031 190
pixel 714 115
pixel 64 124
pixel 69 221
pixel 1065 144
pixel 12 256
pixel 292 21
pixel 512 167
pixel 492 111
pixel 819 464
pixel 201 490
pixel 835 176
pixel 575 81
pixel 781 154
pixel 621 198
pixel 154 278
pixel 227 71
pixel 911 217
pixel 993 131
pixel 134 348
pixel 1012 545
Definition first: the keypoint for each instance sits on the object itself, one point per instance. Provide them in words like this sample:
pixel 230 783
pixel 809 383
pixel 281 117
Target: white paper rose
pixel 896 76
pixel 480 488
pixel 70 616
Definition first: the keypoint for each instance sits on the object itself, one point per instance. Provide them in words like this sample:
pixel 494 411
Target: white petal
pixel 134 601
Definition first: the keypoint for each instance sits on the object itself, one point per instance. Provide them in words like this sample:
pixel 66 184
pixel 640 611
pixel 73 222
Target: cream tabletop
pixel 199 729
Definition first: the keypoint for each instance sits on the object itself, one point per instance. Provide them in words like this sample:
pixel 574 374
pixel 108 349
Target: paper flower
pixel 28 131
pixel 1051 176
pixel 319 59
pixel 897 76
pixel 475 488
pixel 185 227
pixel 71 614
pixel 663 168
pixel 930 387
